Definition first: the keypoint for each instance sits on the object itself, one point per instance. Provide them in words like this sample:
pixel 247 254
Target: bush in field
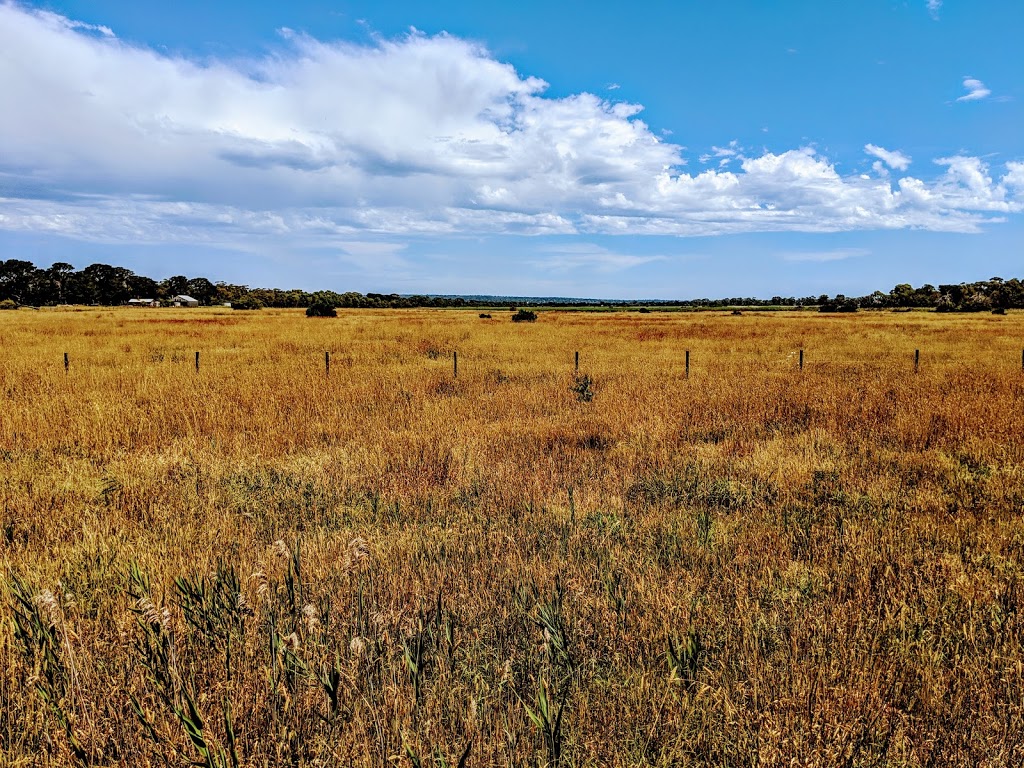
pixel 321 309
pixel 524 316
pixel 247 302
pixel 583 386
pixel 8 304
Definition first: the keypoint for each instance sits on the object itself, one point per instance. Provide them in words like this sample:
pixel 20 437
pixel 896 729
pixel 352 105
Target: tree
pixel 59 274
pixel 248 302
pixel 173 286
pixel 143 287
pixel 104 284
pixel 16 277
pixel 202 289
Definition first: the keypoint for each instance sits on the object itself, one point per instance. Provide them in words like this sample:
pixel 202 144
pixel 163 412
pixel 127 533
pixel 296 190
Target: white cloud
pixel 724 155
pixel 976 90
pixel 323 144
pixel 894 159
pixel 934 6
pixel 838 254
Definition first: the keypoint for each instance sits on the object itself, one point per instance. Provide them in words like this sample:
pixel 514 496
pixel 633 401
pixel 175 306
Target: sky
pixel 598 149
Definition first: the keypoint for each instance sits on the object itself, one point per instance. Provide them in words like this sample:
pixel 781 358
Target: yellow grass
pixel 832 556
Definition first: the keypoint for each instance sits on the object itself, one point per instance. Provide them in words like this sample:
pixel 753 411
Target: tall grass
pixel 261 564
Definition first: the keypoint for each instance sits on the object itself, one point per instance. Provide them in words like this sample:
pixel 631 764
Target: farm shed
pixel 184 301
pixel 143 303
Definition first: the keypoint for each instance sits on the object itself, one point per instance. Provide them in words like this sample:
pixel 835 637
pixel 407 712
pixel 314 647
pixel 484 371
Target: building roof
pixel 183 297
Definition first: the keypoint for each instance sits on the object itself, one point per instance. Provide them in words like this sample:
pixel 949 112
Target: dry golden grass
pixel 755 566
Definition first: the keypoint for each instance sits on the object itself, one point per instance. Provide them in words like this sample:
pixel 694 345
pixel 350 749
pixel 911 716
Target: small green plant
pixel 551 621
pixel 38 623
pixel 321 309
pixel 524 316
pixel 686 657
pixel 439 757
pixel 705 525
pixel 157 653
pixel 583 386
pixel 548 721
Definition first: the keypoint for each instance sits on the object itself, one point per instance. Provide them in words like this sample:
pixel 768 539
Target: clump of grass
pixel 583 387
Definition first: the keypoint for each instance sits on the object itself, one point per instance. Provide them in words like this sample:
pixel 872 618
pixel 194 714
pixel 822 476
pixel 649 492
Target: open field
pixel 257 564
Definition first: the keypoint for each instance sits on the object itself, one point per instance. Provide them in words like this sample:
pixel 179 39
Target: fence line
pixel 576 362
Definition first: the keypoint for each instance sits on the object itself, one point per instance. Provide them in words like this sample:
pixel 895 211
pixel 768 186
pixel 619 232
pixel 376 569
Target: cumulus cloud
pixel 934 6
pixel 327 143
pixel 895 160
pixel 976 90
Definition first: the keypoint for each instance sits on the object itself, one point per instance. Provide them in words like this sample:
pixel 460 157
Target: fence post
pixel 577 362
pixel 687 363
pixel 197 362
pixel 327 363
pixel 455 365
pixel 801 359
pixel 917 360
pixel 66 362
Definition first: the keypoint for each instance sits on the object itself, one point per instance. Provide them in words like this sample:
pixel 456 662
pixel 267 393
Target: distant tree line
pixel 24 284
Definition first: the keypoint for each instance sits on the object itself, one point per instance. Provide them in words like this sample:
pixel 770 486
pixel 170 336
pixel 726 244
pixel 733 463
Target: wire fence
pixel 797 360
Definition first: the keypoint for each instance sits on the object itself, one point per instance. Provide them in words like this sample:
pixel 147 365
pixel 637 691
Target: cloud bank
pixel 325 142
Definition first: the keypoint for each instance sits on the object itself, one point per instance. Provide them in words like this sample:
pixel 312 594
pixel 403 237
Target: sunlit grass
pixel 756 565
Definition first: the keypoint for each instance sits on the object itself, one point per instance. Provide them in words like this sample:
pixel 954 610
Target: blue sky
pixel 665 150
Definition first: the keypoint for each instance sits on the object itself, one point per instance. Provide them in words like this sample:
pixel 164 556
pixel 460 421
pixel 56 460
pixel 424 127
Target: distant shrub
pixel 484 316
pixel 321 309
pixel 8 304
pixel 644 311
pixel 736 312
pixel 247 302
pixel 845 306
pixel 524 316
pixel 999 311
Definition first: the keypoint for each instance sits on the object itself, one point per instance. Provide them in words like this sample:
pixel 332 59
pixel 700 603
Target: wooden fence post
pixel 577 362
pixel 455 365
pixel 687 363
pixel 917 360
pixel 327 363
pixel 801 359
pixel 66 362
pixel 197 362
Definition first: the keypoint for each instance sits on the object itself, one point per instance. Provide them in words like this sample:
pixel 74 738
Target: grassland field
pixel 258 564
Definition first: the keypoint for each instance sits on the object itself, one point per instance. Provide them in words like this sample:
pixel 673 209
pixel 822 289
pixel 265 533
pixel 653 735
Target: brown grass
pixel 755 566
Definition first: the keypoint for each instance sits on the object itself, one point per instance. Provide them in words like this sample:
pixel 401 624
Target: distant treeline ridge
pixel 24 284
